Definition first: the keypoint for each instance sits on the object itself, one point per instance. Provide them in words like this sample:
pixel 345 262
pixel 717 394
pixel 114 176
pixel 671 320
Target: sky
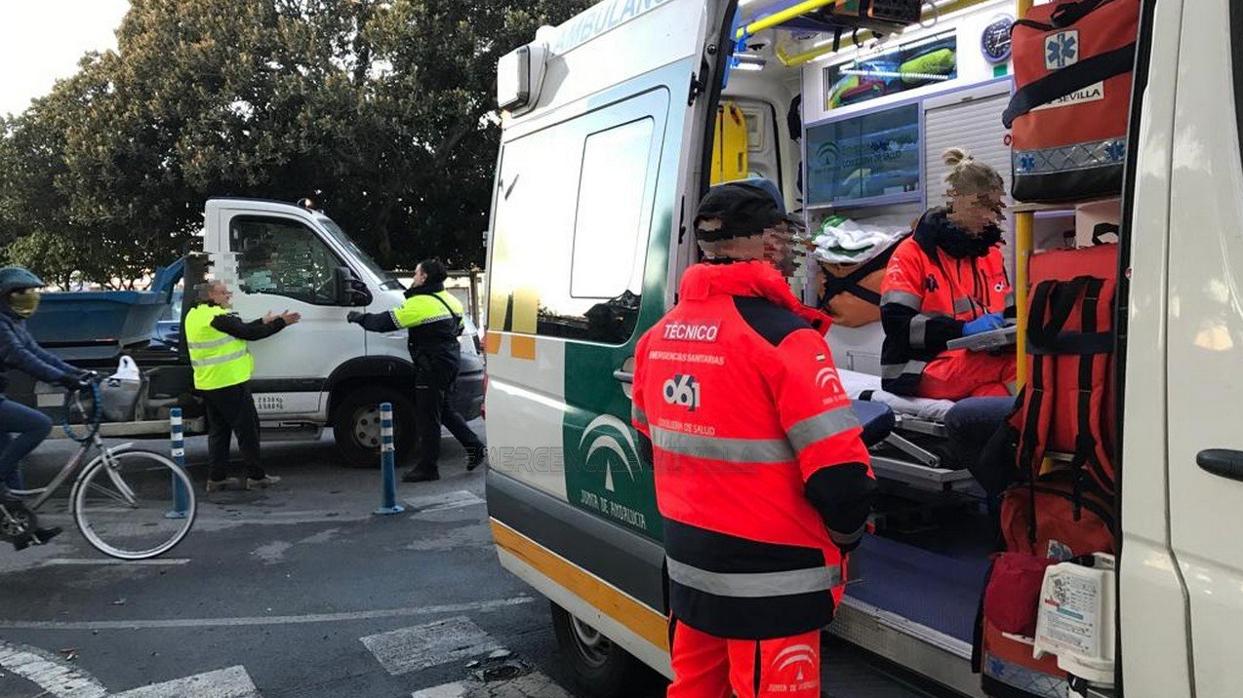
pixel 42 40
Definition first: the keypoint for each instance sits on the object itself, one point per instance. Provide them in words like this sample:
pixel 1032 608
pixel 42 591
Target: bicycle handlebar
pixel 73 398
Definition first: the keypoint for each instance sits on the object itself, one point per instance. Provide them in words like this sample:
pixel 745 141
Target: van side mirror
pixel 351 293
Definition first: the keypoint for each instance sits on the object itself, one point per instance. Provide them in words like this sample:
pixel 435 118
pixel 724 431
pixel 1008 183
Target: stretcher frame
pixel 924 471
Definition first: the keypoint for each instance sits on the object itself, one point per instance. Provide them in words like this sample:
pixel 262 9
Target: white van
pixel 608 145
pixel 325 372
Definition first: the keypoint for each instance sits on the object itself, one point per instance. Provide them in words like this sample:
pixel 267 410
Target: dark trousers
pixel 232 411
pixel 433 385
pixel 31 428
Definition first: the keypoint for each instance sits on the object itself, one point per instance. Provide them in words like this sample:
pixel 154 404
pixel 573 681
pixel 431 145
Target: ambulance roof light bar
pixel 519 77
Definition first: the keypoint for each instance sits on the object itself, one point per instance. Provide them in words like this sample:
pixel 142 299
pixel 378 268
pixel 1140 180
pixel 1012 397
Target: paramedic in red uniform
pixel 760 474
pixel 947 281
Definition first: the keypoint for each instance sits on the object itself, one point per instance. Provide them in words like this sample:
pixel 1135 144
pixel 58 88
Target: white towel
pixel 855 243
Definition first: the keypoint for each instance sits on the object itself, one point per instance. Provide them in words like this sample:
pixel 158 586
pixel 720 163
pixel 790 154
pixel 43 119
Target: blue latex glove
pixel 984 323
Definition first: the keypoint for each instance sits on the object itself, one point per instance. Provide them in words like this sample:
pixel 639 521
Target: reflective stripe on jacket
pixel 756 453
pixel 927 296
pixel 219 360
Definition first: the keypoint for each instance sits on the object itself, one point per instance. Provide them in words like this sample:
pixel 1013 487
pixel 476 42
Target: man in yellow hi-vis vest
pixel 433 318
pixel 222 365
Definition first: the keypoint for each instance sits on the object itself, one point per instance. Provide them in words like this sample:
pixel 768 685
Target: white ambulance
pixel 608 143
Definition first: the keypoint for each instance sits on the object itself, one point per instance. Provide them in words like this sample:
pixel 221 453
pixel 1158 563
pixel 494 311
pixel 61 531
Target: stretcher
pixel 911 418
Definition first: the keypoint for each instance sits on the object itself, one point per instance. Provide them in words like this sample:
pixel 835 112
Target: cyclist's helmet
pixel 19 291
pixel 18 279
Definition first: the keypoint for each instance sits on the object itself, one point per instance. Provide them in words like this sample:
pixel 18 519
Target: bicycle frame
pixel 74 466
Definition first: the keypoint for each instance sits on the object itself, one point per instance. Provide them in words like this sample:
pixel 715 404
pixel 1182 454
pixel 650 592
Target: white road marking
pixel 233 682
pixel 56 676
pixel 412 649
pixel 482 606
pixel 88 561
pixel 444 502
pixel 456 689
pixel 533 685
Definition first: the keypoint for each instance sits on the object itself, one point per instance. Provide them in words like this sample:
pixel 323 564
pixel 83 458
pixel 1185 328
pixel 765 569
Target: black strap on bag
pixel 851 283
pixel 1066 14
pixel 1050 337
pixel 1069 13
pixel 1067 80
pixel 1085 441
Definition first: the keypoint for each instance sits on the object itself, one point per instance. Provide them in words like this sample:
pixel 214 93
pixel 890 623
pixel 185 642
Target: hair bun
pixel 955 157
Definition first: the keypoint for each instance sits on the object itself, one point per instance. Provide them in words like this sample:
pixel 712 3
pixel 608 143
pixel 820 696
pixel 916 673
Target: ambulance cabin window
pixel 572 266
pixel 610 234
pixel 283 257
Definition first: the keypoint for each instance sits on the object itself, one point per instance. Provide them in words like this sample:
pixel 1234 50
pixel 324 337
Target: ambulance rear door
pixel 1205 343
pixel 587 215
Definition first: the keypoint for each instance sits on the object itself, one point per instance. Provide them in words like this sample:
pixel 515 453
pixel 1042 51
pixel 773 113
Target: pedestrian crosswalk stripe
pixel 533 685
pixel 233 682
pixel 54 675
pixel 444 502
pixel 432 644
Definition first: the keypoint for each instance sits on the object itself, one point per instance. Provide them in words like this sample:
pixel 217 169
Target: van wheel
pixel 356 425
pixel 598 664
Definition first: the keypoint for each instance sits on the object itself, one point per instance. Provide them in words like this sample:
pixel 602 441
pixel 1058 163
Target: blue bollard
pixel 181 498
pixel 388 464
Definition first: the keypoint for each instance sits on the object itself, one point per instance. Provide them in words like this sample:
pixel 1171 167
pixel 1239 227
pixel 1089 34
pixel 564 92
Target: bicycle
pixel 128 504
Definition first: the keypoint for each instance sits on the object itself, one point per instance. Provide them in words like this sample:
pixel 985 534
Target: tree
pixel 378 110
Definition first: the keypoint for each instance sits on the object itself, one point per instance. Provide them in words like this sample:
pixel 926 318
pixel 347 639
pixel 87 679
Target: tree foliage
pixel 378 110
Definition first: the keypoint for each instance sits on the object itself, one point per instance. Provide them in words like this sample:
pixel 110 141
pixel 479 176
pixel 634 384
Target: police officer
pixel 433 318
pixel 223 366
pixel 760 473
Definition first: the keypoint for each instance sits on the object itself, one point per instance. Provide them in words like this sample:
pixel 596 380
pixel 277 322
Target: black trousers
pixel 433 384
pixel 232 411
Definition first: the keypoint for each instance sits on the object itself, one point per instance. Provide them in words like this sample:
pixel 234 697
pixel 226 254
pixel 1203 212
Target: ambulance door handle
pixel 1222 462
pixel 624 376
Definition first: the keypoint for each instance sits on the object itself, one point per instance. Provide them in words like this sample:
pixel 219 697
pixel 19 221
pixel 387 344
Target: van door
pixel 1205 339
pixel 283 263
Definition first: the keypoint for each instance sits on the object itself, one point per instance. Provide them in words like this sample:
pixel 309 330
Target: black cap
pixel 744 209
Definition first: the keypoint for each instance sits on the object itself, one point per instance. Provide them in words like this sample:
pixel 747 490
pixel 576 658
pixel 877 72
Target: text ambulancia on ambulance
pixel 616 124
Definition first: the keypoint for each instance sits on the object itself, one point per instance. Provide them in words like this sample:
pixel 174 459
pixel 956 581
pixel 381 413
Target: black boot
pixel 39 536
pixel 420 475
pixel 476 457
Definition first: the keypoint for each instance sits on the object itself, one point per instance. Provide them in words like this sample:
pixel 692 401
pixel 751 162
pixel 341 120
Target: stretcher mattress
pixel 866 387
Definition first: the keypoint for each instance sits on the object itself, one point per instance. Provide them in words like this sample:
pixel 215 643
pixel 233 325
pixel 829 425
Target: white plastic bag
pixel 120 392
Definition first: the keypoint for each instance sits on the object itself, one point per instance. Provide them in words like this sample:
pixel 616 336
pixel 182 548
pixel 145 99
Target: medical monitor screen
pixel 867 159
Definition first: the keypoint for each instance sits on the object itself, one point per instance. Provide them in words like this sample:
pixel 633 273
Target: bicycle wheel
pixel 133 505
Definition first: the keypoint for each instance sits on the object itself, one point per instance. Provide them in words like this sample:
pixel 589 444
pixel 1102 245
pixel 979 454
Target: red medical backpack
pixel 1069 114
pixel 1064 510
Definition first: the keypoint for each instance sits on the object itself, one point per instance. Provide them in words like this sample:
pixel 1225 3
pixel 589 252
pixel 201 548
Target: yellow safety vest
pixel 219 360
pixel 426 308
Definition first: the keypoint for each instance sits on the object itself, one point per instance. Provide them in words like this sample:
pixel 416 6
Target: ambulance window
pixel 572 266
pixel 609 235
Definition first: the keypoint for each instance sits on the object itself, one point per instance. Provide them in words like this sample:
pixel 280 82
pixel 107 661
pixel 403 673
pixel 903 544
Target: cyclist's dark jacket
pixel 19 350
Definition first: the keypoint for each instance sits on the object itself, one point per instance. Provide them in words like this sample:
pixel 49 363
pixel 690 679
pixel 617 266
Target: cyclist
pixel 23 428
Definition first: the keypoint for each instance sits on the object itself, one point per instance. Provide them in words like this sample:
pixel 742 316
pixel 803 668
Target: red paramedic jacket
pixel 759 466
pixel 928 295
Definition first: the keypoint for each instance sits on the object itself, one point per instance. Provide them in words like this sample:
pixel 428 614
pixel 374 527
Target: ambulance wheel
pixel 598 664
pixel 356 425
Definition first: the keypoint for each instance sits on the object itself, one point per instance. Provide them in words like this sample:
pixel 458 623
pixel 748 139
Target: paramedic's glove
pixel 353 316
pixel 984 323
pixel 88 377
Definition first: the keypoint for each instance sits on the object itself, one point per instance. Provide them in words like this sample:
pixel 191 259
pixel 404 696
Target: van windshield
pixel 388 282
